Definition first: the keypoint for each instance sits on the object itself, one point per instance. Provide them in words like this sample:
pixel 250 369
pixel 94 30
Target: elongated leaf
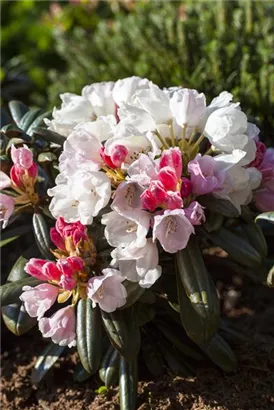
pixel 28 118
pixel 45 361
pixel 13 232
pixel 112 369
pixel 134 292
pixel 128 384
pixel 10 292
pixel 238 249
pixel 198 284
pixel 220 353
pixel 17 319
pixel 199 329
pixel 221 206
pixel 213 221
pixel 89 344
pixel 268 216
pixel 116 329
pixel 105 361
pixel 8 240
pixel 48 135
pixel 131 317
pixel 80 374
pixel 255 237
pixel 37 122
pixel 18 110
pixel 41 234
pixel 15 316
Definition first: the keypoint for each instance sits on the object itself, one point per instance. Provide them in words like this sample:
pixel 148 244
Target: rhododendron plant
pixel 129 186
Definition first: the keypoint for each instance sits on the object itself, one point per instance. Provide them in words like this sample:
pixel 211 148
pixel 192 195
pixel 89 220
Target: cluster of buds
pixel 22 180
pixel 73 277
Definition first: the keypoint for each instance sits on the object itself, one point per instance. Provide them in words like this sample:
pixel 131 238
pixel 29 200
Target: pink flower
pixel 39 299
pixel 205 175
pixel 195 213
pixel 22 157
pixel 118 155
pixel 168 177
pixel 6 208
pixel 107 290
pixel 264 199
pixel 57 239
pixel 172 229
pixel 42 269
pixel 260 153
pixel 106 158
pixel 186 187
pixel 172 157
pixel 267 165
pixel 60 327
pixel 173 200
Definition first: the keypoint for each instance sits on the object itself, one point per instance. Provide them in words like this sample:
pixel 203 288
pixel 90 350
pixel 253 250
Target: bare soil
pixel 249 307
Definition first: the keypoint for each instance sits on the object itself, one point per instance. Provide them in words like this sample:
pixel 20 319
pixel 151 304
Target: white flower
pixel 188 107
pixel 121 231
pixel 125 88
pixel 107 290
pixel 127 198
pixel 239 182
pixel 172 229
pixel 138 264
pixel 223 100
pixel 80 197
pixel 74 109
pixel 100 96
pixel 4 180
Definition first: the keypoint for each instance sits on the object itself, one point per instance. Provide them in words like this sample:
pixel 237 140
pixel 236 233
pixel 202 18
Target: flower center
pixel 171 226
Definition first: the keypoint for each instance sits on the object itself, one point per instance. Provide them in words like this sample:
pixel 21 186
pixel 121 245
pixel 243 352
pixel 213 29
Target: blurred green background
pixel 53 47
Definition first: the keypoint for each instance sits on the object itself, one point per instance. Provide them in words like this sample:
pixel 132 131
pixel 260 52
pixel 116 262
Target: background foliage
pixel 52 47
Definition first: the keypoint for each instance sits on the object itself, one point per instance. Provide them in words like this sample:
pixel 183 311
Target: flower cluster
pixel 22 180
pixel 150 154
pixel 69 279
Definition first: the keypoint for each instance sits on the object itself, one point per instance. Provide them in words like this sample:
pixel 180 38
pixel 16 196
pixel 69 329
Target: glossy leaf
pixel 17 110
pixel 10 292
pixel 80 374
pixel 17 319
pixel 45 361
pixel 116 329
pixel 220 353
pixel 89 344
pixel 41 234
pixel 268 216
pixel 127 384
pixel 48 135
pixel 221 206
pixel 29 118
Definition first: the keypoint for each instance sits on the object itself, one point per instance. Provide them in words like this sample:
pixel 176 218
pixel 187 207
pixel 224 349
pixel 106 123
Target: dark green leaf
pixel 14 232
pixel 128 384
pixel 45 361
pixel 89 343
pixel 17 319
pixel 46 157
pixel 18 110
pixel 220 353
pixel 48 135
pixel 268 216
pixel 29 118
pixel 218 205
pixel 116 329
pixel 41 235
pixel 8 240
pixel 256 237
pixel 10 292
pixel 80 374
pixel 198 284
pixel 37 122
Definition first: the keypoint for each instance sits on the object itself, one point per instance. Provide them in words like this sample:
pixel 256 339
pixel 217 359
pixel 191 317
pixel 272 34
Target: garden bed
pixel 249 307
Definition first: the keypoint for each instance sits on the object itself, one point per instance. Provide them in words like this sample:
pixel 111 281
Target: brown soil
pixel 250 308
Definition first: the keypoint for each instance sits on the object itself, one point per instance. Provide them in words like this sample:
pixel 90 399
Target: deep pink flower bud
pixel 33 170
pixel 75 263
pixel 172 157
pixel 51 271
pixel 22 157
pixel 186 187
pixel 173 200
pixel 34 268
pixel 118 155
pixel 78 236
pixel 106 158
pixel 260 152
pixel 148 201
pixel 70 228
pixel 60 224
pixel 65 267
pixel 168 177
pixel 15 175
pixel 57 239
pixel 158 191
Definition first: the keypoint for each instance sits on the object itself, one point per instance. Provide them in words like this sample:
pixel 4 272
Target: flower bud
pixel 148 201
pixel 186 187
pixel 106 158
pixel 173 200
pixel 172 157
pixel 260 152
pixel 57 239
pixel 168 178
pixel 15 175
pixel 118 155
pixel 22 157
pixel 158 191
